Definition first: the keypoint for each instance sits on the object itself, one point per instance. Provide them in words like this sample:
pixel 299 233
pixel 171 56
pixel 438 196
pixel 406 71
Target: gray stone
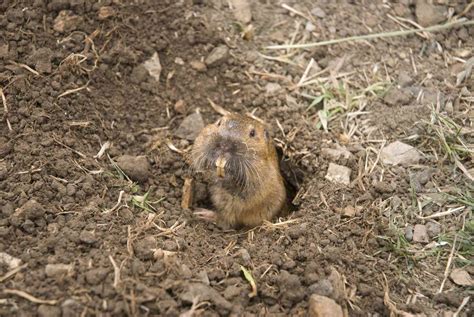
pixel 399 153
pixel 242 11
pixel 190 127
pixel 433 228
pixel 428 14
pixel 272 88
pixel 95 276
pixel 87 237
pixel 58 270
pixel 318 12
pixel 420 234
pixel 135 167
pixel 338 174
pixel 321 306
pixel 218 55
pixel 409 233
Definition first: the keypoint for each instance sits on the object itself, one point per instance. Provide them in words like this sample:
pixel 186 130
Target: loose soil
pixel 69 92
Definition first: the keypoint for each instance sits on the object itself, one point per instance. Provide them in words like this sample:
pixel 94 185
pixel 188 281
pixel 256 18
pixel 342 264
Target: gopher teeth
pixel 220 166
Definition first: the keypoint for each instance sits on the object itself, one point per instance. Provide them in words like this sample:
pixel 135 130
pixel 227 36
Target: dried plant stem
pixel 434 28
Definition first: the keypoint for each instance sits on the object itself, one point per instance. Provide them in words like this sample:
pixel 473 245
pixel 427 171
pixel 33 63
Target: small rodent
pixel 241 158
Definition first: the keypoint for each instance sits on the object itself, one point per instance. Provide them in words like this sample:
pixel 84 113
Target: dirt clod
pixel 218 55
pixel 321 306
pixel 428 13
pixel 66 21
pixel 58 270
pixel 135 167
pixel 48 311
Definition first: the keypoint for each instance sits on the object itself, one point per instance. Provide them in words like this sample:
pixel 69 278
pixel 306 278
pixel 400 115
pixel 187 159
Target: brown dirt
pixel 54 195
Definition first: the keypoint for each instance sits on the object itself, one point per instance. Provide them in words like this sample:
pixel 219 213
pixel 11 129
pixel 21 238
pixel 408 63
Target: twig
pixel 448 265
pixel 12 272
pixel 287 7
pixel 69 148
pixel 434 28
pixel 442 213
pixel 5 108
pixel 28 68
pixel 102 150
pixel 29 297
pixel 71 91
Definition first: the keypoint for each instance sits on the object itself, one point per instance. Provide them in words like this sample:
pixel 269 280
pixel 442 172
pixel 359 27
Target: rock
pixel 190 127
pixel 272 88
pixel 321 306
pixel 66 22
pixel 48 311
pixel 429 14
pixel 350 211
pixel 95 276
pixel 433 228
pixel 318 12
pixel 397 97
pixel 198 65
pixel 153 66
pixel 106 12
pixel 337 283
pixel 71 308
pixel 9 261
pixel 58 270
pixel 461 277
pixel 420 234
pixel 338 174
pixel 409 233
pixel 218 55
pixel 399 153
pixel 145 248
pixel 4 50
pixel 180 106
pixel 87 237
pixel 337 153
pixel 205 293
pixel 32 209
pixel 242 11
pixel 41 59
pixel 135 167
pixel 310 27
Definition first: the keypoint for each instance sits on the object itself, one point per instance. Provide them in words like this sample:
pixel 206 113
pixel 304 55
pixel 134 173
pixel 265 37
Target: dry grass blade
pixel 434 28
pixel 119 200
pixel 5 109
pixel 29 297
pixel 28 68
pixel 448 265
pixel 116 272
pixel 217 108
pixel 12 272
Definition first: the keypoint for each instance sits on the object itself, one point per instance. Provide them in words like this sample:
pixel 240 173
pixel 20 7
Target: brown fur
pixel 254 190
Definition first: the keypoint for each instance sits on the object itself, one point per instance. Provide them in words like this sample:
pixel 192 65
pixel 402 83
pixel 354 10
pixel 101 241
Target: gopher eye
pixel 265 133
pixel 252 133
pixel 218 123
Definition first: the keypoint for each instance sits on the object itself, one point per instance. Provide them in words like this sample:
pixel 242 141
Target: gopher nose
pixel 226 146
